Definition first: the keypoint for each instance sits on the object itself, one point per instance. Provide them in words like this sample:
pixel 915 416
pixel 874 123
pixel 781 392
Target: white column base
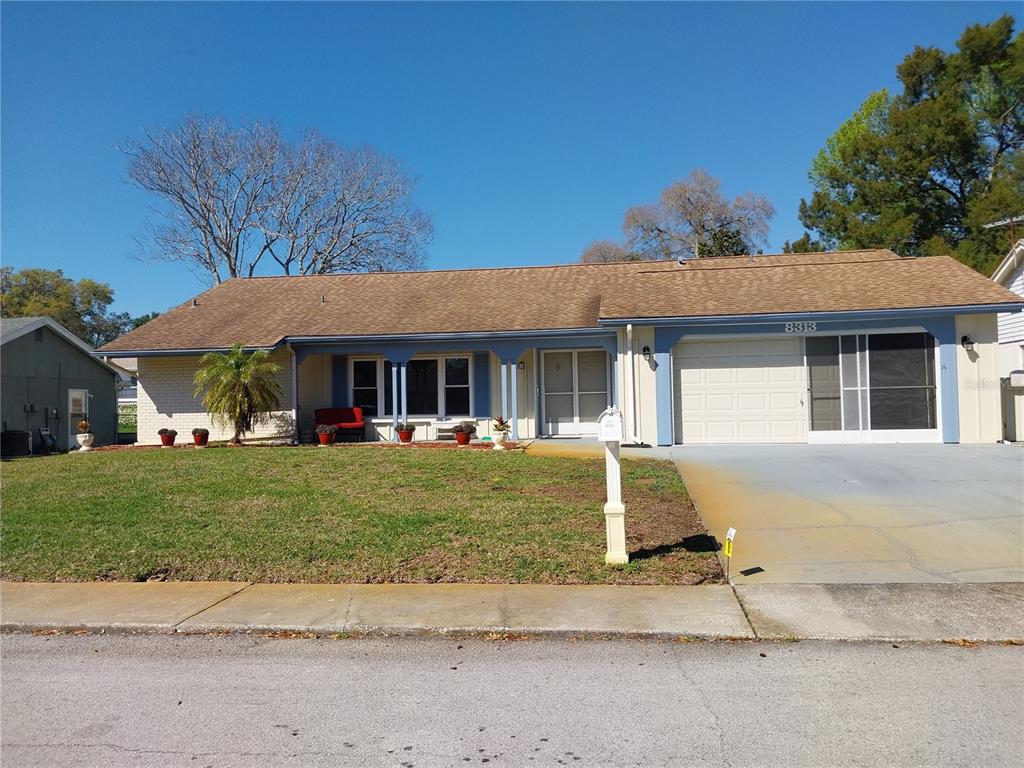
pixel 615 527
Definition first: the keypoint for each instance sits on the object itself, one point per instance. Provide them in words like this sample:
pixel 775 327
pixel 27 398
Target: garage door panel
pixel 753 430
pixel 783 402
pixel 722 403
pixel 789 346
pixel 740 390
pixel 751 402
pixel 719 376
pixel 787 431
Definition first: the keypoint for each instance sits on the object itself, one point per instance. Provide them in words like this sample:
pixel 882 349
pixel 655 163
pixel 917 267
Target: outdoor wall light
pixel 646 353
pixel 967 343
pixel 521 366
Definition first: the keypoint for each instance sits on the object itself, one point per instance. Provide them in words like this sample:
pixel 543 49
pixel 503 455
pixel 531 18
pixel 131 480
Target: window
pixel 364 386
pixel 823 382
pixel 435 386
pixel 456 386
pixel 902 373
pixel 421 387
pixel 876 381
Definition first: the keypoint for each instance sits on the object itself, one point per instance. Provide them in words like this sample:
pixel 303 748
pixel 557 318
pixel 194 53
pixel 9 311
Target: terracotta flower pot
pixel 326 438
pixel 405 436
pixel 462 438
pixel 167 439
pixel 200 440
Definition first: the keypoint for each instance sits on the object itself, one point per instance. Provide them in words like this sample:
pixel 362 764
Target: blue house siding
pixel 339 381
pixel 482 385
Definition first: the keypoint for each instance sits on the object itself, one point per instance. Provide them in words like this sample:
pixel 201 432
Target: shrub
pixel 168 432
pixel 326 429
pixel 200 431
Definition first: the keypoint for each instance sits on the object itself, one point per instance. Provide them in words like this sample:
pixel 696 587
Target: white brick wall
pixel 165 400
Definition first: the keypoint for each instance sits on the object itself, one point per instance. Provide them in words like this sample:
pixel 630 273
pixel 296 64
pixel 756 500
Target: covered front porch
pixel 544 384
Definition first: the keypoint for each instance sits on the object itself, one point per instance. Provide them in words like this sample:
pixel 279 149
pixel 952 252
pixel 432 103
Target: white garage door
pixel 740 391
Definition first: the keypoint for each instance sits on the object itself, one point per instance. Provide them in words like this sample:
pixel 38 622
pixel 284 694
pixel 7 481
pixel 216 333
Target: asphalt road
pixel 240 701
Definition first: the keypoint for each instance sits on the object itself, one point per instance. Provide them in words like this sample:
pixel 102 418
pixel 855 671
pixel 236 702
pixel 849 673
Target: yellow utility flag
pixel 727 548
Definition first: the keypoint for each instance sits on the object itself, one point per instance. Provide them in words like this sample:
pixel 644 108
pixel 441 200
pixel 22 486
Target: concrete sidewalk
pixel 394 609
pixel 909 612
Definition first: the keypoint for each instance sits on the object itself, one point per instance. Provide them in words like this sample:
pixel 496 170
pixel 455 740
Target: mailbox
pixel 609 425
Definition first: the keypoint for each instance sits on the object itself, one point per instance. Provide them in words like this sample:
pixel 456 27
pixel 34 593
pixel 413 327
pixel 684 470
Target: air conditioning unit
pixel 15 442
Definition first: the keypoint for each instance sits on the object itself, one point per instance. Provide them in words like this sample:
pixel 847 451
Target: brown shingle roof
pixel 263 311
pixel 827 282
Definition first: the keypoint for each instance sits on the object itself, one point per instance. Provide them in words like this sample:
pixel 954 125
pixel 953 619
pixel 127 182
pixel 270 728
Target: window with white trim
pixel 364 386
pixel 437 387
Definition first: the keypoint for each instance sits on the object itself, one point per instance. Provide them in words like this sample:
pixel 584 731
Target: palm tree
pixel 238 389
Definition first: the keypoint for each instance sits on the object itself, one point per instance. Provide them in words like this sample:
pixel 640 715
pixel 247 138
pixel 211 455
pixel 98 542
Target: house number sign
pixel 801 327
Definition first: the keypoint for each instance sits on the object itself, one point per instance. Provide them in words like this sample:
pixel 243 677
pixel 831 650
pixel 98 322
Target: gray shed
pixel 50 378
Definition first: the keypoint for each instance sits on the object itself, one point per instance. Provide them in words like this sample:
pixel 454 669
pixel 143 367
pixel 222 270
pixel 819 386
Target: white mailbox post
pixel 609 431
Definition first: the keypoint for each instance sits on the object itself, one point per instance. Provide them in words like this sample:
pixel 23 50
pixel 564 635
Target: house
pixel 51 380
pixel 1010 273
pixel 857 346
pixel 127 385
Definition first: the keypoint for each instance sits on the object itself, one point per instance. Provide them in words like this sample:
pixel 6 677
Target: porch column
pixel 394 401
pixel 405 395
pixel 514 368
pixel 504 389
pixel 295 395
pixel 944 331
pixel 664 340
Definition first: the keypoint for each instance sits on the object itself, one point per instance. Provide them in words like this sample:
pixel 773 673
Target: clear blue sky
pixel 531 128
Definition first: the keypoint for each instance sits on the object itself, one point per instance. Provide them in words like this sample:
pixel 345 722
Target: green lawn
pixel 345 514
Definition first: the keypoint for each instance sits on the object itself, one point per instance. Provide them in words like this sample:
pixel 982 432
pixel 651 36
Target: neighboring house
pixel 1010 273
pixel 51 379
pixel 128 384
pixel 860 346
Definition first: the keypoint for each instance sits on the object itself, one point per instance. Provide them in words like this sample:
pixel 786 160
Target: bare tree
pixel 606 251
pixel 693 218
pixel 232 196
pixel 339 210
pixel 689 214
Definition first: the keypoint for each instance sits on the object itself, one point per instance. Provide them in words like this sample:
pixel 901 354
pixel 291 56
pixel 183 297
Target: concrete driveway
pixel 863 514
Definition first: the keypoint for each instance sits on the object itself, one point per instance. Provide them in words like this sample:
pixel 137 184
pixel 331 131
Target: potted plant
pixel 501 427
pixel 325 434
pixel 201 436
pixel 405 432
pixel 464 432
pixel 167 436
pixel 85 437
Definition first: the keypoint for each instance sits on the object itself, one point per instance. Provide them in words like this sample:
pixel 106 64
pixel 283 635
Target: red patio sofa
pixel 348 421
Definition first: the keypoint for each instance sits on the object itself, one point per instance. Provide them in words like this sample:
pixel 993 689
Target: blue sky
pixel 531 128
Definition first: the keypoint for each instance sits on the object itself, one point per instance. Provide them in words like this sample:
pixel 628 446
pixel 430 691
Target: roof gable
pixel 12 328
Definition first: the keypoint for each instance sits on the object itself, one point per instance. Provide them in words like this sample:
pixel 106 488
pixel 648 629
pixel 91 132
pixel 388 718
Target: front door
pixel 78 409
pixel 575 390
